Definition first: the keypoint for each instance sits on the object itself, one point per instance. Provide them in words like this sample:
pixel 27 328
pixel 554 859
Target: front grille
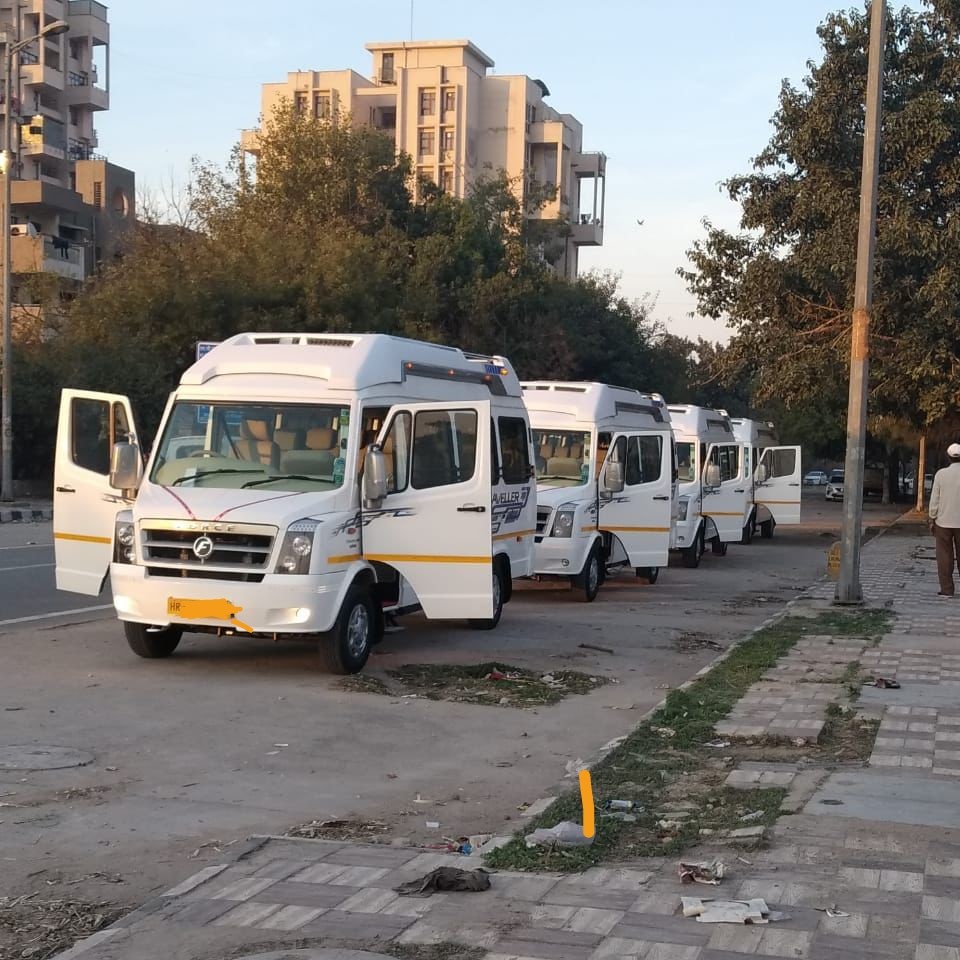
pixel 543 518
pixel 240 551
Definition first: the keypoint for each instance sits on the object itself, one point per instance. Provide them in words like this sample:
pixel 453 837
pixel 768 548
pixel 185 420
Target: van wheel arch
pixel 502 561
pixel 366 580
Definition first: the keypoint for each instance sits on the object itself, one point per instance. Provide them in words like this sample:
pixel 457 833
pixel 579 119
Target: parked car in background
pixel 815 478
pixel 834 489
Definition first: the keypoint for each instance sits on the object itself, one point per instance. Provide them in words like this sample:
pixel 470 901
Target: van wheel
pixel 718 547
pixel 346 647
pixel 151 643
pixel 692 554
pixel 766 528
pixel 498 592
pixel 590 578
pixel 650 574
pixel 746 538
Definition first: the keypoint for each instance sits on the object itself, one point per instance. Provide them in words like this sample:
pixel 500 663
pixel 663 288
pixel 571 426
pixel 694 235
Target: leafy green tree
pixel 785 281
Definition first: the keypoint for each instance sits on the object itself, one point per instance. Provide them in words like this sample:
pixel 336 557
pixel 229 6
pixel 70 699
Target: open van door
pixel 639 515
pixel 779 488
pixel 727 502
pixel 433 524
pixel 85 506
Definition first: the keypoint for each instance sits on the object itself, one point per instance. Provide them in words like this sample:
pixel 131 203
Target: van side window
pixel 494 455
pixel 603 447
pixel 444 447
pixel 396 451
pixel 728 459
pixel 675 469
pixel 651 458
pixel 633 474
pixel 90 440
pixel 618 452
pixel 515 450
pixel 779 463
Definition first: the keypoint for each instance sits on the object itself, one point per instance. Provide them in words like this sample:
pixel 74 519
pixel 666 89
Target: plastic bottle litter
pixel 564 834
pixel 619 804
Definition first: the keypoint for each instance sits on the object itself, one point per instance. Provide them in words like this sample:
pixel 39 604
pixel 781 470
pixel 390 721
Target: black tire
pixel 766 528
pixel 650 574
pixel 590 577
pixel 346 647
pixel 498 593
pixel 692 554
pixel 746 538
pixel 151 643
pixel 718 547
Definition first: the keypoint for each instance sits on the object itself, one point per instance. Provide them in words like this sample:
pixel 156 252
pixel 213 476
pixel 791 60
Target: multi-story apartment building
pixel 444 108
pixel 70 206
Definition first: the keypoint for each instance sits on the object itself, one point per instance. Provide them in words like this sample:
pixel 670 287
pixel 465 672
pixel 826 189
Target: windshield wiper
pixel 282 476
pixel 210 473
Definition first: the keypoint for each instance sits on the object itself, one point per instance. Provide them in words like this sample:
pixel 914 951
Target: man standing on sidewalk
pixel 945 518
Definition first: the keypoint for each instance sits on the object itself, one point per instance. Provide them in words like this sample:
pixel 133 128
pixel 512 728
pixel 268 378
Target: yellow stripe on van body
pixel 589 529
pixel 424 558
pixel 785 503
pixel 724 513
pixel 519 534
pixel 344 558
pixel 82 538
pixel 637 529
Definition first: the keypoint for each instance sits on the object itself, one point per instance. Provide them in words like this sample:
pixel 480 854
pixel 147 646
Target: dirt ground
pixel 229 737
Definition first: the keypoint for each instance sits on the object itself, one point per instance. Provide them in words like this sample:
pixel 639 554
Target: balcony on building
pixel 82 90
pixel 43 254
pixel 89 18
pixel 587 231
pixel 43 137
pixel 36 74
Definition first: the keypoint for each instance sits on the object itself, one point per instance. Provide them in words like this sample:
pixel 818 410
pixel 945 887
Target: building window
pixel 449 139
pixel 446 180
pixel 449 101
pixel 386 68
pixel 302 103
pixel 321 106
pixel 428 103
pixel 427 143
pixel 98 194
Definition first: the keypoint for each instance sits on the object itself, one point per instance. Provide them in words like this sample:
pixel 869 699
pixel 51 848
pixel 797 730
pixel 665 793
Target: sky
pixel 678 95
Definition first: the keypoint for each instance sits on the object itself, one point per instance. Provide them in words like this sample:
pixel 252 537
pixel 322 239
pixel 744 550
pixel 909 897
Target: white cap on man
pixel 953 451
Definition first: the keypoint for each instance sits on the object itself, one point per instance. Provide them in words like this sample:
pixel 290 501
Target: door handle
pixel 65 490
pixel 661 498
pixel 794 484
pixel 740 490
pixel 470 508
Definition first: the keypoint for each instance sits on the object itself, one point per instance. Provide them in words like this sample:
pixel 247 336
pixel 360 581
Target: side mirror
pixel 761 474
pixel 711 476
pixel 126 466
pixel 374 476
pixel 612 481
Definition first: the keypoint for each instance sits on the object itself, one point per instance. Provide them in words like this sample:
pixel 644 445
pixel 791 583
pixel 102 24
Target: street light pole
pixel 10 51
pixel 6 388
pixel 848 585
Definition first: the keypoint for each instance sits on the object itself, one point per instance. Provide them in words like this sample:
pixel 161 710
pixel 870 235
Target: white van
pixel 775 477
pixel 302 485
pixel 714 497
pixel 606 480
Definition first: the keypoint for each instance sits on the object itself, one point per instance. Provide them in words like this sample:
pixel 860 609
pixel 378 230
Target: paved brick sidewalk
pixel 879 842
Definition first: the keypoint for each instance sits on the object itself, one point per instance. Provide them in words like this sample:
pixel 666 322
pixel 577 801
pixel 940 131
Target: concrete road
pixel 231 737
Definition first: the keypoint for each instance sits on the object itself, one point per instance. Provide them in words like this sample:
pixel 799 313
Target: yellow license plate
pixel 174 606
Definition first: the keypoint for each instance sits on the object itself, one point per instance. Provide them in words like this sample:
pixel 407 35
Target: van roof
pixel 760 432
pixel 590 402
pixel 350 361
pixel 702 423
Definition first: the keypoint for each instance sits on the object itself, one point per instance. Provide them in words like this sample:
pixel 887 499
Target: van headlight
pixel 297 547
pixel 124 536
pixel 563 521
pixel 683 504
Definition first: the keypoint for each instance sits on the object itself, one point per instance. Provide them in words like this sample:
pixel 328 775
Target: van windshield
pixel 294 447
pixel 562 457
pixel 686 462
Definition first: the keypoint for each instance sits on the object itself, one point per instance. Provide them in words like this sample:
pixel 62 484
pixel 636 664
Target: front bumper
pixel 561 556
pixel 279 604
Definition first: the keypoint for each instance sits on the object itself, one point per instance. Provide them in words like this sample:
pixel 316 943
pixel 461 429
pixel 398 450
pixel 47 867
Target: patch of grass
pixel 493 684
pixel 847 737
pixel 663 761
pixel 364 683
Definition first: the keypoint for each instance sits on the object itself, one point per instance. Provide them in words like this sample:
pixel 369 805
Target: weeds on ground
pixel 490 684
pixel 663 766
